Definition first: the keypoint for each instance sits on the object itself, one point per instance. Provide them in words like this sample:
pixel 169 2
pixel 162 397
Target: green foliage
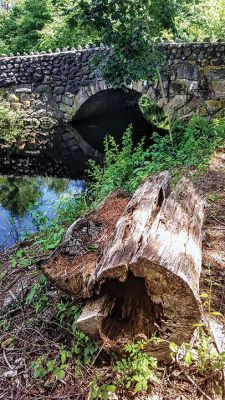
pixel 68 314
pixel 72 208
pixel 98 392
pixel 128 166
pixel 37 296
pixel 137 369
pixel 129 27
pixel 22 258
pixel 213 197
pixel 202 354
pixel 51 236
pixel 83 347
pixel 31 25
pixel 12 130
pixel 55 367
pixel 65 29
pixel 153 113
pixel 20 26
pixel 201 19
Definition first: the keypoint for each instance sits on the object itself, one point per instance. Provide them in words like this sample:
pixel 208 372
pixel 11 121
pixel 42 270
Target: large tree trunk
pixel 150 269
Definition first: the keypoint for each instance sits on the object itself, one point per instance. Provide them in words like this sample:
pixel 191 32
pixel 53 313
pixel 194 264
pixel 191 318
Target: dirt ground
pixel 26 334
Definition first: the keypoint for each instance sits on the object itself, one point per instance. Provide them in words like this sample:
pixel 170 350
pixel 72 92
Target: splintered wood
pixel 145 279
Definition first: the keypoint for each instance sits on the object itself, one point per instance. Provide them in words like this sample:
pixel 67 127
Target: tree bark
pixel 151 267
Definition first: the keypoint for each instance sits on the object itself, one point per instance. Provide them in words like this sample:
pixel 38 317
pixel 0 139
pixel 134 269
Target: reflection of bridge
pixel 62 85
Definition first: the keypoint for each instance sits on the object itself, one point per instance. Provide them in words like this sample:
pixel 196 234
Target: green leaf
pixel 111 388
pixel 138 387
pixel 188 358
pixel 173 347
pixel 13 262
pixel 216 314
pixel 204 295
pixel 60 373
pixel 24 262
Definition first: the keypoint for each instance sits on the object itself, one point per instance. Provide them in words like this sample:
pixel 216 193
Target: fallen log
pixel 149 271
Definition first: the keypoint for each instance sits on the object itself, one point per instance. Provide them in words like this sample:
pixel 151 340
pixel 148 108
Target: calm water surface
pixel 21 198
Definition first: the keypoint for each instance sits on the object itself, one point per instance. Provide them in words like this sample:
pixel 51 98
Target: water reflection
pixel 21 197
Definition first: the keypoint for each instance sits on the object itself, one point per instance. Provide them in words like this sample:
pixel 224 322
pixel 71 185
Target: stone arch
pixel 100 87
pixel 105 110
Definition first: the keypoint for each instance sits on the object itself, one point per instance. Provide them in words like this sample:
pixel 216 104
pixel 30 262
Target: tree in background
pixel 201 19
pixel 129 27
pixel 66 29
pixel 20 26
pixel 30 25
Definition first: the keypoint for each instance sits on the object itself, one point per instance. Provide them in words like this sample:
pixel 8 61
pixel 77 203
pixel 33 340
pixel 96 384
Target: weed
pixel 137 369
pixel 98 392
pixel 56 366
pixel 202 355
pixel 12 129
pixel 37 295
pixel 22 258
pixel 213 197
pixel 2 276
pixel 83 347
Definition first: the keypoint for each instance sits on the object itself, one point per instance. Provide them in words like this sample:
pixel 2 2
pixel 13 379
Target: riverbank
pixel 44 356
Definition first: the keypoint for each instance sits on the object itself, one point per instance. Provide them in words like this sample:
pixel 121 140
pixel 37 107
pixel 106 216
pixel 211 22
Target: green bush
pixel 127 166
pixel 12 131
pixel 137 369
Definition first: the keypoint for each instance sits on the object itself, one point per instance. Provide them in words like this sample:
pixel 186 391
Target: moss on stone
pixel 209 68
pixel 202 110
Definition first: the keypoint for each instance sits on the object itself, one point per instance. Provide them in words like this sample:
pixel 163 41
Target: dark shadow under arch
pixel 111 111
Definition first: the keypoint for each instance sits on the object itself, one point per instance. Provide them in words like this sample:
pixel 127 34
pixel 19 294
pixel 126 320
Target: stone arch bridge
pixel 59 84
pixel 57 88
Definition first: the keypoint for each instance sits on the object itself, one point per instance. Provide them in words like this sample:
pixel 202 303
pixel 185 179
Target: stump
pixel 149 271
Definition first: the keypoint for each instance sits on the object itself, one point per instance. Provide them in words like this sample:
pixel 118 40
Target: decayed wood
pixel 94 314
pixel 84 243
pixel 152 264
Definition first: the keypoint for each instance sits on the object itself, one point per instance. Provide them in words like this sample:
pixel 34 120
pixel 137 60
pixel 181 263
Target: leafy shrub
pixel 83 347
pixel 137 369
pixel 12 129
pixel 202 354
pixel 127 166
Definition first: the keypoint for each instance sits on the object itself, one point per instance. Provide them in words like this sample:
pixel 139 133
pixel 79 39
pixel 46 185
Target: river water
pixel 22 198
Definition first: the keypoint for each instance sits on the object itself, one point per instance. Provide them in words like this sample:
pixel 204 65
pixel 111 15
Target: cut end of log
pixel 151 267
pixel 160 305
